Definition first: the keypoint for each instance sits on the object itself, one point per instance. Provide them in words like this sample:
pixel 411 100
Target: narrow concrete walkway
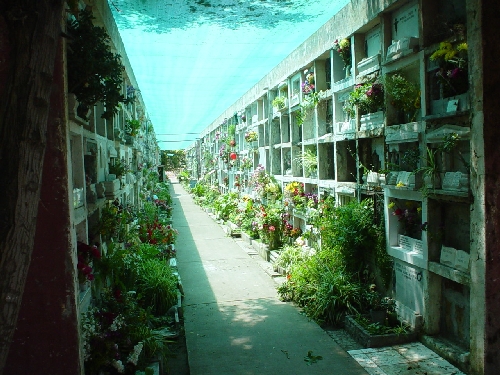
pixel 234 321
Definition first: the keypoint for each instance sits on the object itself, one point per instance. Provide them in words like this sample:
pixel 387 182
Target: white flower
pixel 117 323
pixel 118 365
pixel 134 355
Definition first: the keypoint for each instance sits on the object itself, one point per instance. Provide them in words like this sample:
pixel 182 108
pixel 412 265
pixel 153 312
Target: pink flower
pixel 272 228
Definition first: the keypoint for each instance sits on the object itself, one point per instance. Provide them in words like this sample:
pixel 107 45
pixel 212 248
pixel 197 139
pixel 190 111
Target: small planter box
pixel 364 338
pixel 262 249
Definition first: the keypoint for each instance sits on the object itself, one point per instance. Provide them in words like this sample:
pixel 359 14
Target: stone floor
pixel 408 359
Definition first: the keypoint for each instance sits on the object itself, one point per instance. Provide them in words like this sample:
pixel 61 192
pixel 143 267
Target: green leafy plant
pixel 430 171
pixel 278 102
pixel 94 72
pixel 132 127
pixel 309 160
pixel 403 94
pixel 157 285
pixel 118 168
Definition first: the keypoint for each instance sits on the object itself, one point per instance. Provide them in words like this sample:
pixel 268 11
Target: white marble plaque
pixel 373 41
pixel 409 285
pixel 462 261
pixel 448 255
pixel 406 243
pixel 417 246
pixel 392 178
pixel 406 178
pixel 405 22
pixel 452 105
pixel 451 180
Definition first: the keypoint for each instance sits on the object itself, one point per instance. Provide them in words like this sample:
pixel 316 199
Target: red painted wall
pixel 46 338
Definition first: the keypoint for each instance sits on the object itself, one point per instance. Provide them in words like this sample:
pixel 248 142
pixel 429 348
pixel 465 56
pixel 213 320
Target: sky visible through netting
pixel 193 59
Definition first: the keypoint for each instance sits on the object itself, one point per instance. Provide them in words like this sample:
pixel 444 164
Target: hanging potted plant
pixel 94 71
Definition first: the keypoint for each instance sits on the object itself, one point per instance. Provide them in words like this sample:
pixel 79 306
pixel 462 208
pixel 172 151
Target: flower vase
pixel 347 71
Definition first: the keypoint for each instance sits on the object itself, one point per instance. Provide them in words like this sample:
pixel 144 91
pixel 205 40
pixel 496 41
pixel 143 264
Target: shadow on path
pixel 234 321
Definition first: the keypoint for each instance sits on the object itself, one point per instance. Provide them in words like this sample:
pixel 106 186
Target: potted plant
pixel 132 127
pixel 430 172
pixel 94 71
pixel 309 160
pixel 118 168
pixel 251 136
pixel 378 305
pixel 279 102
pixel 403 95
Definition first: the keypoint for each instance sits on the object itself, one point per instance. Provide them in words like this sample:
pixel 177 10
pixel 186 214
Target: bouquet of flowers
pixel 251 136
pixel 343 48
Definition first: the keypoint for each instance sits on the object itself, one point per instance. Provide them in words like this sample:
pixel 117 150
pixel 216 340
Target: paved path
pixel 234 321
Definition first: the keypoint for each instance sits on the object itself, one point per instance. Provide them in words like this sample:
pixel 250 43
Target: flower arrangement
pixel 289 231
pixel 246 163
pixel 86 254
pixel 368 97
pixel 157 232
pixel 452 71
pixel 409 217
pixel 269 221
pixel 295 195
pixel 251 136
pixel 237 182
pixel 308 84
pixel 343 48
pixel 116 335
pixel 259 180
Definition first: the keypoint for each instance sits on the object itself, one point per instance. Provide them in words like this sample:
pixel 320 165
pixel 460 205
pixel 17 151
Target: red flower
pixel 398 212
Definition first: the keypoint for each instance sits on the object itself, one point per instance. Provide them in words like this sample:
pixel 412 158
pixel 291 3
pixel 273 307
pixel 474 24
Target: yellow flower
pixel 450 55
pixel 462 47
pixel 344 43
pixel 391 205
pixel 419 209
pixel 400 184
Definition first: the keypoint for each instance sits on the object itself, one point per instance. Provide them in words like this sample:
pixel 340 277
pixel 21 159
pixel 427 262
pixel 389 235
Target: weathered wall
pixel 46 339
pixel 486 86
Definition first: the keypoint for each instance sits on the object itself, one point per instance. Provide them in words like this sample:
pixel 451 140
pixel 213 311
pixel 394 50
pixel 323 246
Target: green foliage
pixel 118 168
pixel 392 326
pixel 225 204
pixel 132 127
pixel 94 72
pixel 291 255
pixel 350 233
pixel 403 94
pixel 157 285
pixel 309 160
pixel 278 102
pixel 329 284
